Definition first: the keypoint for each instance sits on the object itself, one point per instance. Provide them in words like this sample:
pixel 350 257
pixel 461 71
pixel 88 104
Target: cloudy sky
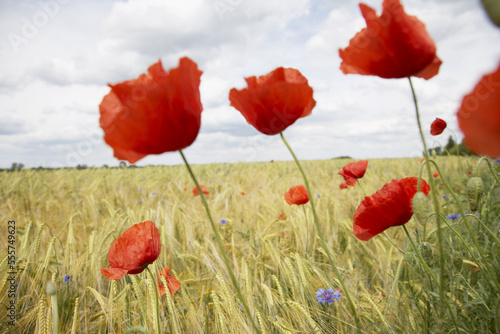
pixel 57 57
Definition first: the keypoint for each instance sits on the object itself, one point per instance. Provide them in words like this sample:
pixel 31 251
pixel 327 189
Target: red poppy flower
pixel 393 45
pixel 436 174
pixel 389 206
pixel 155 113
pixel 172 283
pixel 297 195
pixel 282 216
pixel 438 126
pixel 136 248
pixel 243 193
pixel 203 189
pixel 273 102
pixel 479 116
pixel 353 171
pixel 343 185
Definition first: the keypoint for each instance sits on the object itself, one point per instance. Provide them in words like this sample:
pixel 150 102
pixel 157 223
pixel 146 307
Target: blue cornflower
pixel 223 221
pixel 67 279
pixel 140 202
pixel 154 193
pixel 458 215
pixel 329 296
pixel 318 195
pixel 444 195
pixel 497 160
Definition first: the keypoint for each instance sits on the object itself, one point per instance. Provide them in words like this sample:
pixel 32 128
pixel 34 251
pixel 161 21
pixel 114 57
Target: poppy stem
pixel 322 239
pixel 434 196
pixel 157 303
pixel 221 245
pixel 307 227
pixel 360 186
pixel 429 271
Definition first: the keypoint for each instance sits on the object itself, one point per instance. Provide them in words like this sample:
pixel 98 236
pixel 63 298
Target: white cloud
pixel 51 89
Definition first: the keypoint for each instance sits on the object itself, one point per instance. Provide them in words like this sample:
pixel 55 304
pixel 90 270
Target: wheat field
pixel 66 220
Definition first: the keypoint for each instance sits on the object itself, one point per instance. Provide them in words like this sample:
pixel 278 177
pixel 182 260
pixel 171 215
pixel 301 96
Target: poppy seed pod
pixel 420 206
pixel 425 250
pixel 475 190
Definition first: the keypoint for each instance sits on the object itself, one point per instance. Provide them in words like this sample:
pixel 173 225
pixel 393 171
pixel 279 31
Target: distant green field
pixel 67 219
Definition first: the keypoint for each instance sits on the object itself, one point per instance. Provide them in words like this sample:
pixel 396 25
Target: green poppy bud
pixel 50 288
pixel 425 250
pixel 458 260
pixel 420 206
pixel 492 7
pixel 475 190
pixel 411 259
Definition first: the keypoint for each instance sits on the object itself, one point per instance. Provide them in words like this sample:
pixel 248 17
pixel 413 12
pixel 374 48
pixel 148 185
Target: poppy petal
pixel 389 206
pixel 274 101
pixel 438 126
pixel 155 113
pixel 393 45
pixel 136 248
pixel 203 189
pixel 114 273
pixel 172 282
pixel 297 195
pixel 353 171
pixel 479 116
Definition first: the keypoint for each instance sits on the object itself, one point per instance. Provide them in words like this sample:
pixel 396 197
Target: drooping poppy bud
pixel 437 127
